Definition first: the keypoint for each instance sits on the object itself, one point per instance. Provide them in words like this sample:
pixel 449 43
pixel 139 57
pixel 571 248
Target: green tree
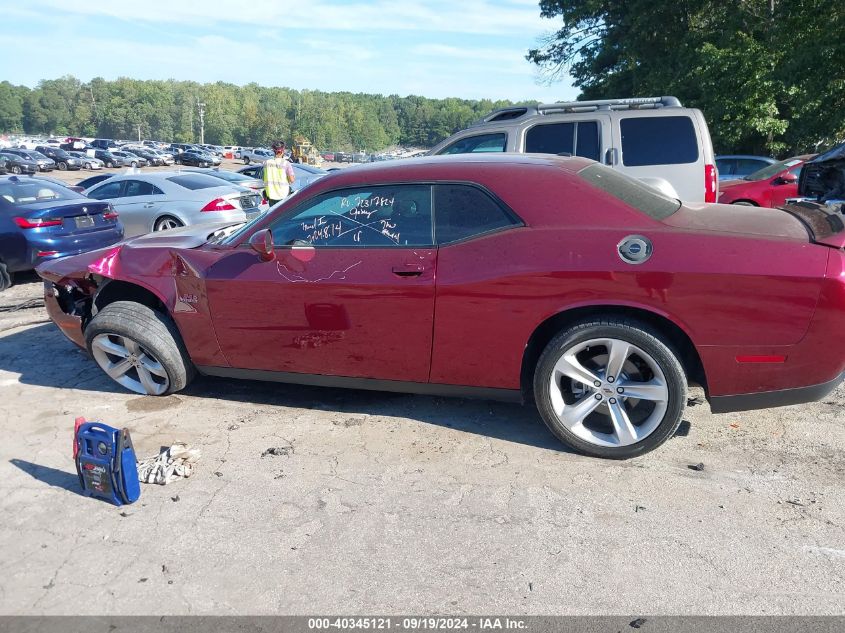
pixel 11 106
pixel 758 69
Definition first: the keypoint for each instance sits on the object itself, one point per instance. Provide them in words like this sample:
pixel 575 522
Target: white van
pixel 655 139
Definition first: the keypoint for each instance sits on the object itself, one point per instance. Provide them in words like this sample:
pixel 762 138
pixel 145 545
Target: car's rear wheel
pixel 5 277
pixel 610 388
pixel 246 160
pixel 16 169
pixel 139 348
pixel 109 164
pixel 744 203
pixel 134 163
pixel 167 222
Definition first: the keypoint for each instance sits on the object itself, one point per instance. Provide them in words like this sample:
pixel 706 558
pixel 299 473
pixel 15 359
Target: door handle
pixel 149 205
pixel 409 270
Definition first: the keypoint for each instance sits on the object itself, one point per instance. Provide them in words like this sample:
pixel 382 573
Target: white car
pixel 88 162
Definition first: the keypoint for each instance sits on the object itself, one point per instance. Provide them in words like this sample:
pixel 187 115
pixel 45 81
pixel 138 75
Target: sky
pixel 471 49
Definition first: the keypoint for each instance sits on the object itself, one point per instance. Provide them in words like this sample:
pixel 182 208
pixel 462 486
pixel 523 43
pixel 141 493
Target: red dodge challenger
pixel 540 278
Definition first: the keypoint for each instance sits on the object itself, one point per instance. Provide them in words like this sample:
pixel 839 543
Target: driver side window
pixel 107 191
pixel 396 215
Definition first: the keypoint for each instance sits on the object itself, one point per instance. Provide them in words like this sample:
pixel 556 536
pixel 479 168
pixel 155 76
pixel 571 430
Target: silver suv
pixel 655 139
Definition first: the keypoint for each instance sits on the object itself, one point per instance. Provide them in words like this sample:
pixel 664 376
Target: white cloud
pixel 498 55
pixel 431 48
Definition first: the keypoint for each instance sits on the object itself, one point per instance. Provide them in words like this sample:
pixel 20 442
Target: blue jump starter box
pixel 105 462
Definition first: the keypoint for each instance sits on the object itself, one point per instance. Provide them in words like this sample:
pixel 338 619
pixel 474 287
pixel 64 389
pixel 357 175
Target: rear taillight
pixel 36 223
pixel 711 180
pixel 110 215
pixel 219 204
pixel 46 253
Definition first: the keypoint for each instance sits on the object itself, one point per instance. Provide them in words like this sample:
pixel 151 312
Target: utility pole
pixel 139 132
pixel 201 108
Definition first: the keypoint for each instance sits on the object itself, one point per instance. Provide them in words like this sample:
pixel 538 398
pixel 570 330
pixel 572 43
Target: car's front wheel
pixel 16 169
pixel 246 160
pixel 139 348
pixel 610 388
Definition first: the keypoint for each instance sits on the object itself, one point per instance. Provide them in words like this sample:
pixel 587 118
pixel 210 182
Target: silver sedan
pixel 169 199
pixel 88 162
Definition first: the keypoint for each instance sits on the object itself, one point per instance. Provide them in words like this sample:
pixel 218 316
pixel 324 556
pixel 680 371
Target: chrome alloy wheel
pixel 608 392
pixel 129 364
pixel 167 223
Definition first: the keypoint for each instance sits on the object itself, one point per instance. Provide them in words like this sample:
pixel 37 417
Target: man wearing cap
pixel 278 175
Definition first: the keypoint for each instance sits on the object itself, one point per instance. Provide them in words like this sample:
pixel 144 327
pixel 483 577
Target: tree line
pixel 233 115
pixel 769 75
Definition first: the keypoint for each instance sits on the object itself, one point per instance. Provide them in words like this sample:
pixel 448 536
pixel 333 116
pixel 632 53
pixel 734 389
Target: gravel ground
pixel 388 503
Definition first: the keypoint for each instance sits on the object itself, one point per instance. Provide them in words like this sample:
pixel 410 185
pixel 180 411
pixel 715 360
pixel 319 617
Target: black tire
pixel 110 165
pixel 134 163
pixel 632 332
pixel 153 331
pixel 62 166
pixel 246 160
pixel 744 203
pixel 16 169
pixel 5 277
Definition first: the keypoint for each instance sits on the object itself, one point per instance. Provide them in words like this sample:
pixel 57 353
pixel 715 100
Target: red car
pixel 543 278
pixel 767 187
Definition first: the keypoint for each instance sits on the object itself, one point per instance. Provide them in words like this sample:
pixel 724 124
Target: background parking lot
pixel 393 503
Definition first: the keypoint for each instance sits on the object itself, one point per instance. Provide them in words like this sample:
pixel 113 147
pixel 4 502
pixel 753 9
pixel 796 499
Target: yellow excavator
pixel 303 152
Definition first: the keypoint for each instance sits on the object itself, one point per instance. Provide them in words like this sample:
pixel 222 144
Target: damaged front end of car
pixel 822 179
pixel 70 288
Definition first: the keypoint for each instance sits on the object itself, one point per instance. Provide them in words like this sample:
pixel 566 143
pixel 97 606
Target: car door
pixel 586 135
pixel 477 301
pixel 349 293
pixel 140 203
pixel 781 188
pixel 131 214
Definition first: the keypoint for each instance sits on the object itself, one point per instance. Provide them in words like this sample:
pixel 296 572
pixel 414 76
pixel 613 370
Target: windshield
pixel 631 191
pixel 771 170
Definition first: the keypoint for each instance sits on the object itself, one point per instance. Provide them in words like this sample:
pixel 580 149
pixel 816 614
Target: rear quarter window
pixel 659 140
pixel 631 191
pixel 195 181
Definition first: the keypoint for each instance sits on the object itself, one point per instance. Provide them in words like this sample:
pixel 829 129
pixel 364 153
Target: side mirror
pixel 262 243
pixel 787 179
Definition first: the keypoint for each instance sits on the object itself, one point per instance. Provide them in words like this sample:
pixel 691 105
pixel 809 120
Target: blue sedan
pixel 41 220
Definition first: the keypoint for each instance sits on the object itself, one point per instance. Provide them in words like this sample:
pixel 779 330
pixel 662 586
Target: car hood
pixel 727 185
pixel 183 237
pixel 739 220
pixel 101 261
